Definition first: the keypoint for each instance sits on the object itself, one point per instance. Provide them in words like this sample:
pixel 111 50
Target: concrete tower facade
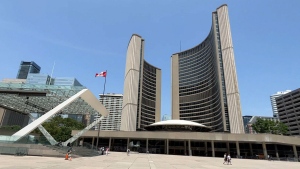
pixel 142 89
pixel 204 80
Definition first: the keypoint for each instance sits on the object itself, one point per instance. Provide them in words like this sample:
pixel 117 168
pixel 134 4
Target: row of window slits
pixel 205 77
pixel 147 116
pixel 205 74
pixel 199 87
pixel 216 124
pixel 149 68
pixel 197 67
pixel 148 95
pixel 213 91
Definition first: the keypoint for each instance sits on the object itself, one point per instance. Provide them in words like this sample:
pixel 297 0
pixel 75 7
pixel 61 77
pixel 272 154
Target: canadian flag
pixel 103 74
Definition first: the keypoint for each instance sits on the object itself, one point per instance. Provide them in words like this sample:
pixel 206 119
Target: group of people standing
pixel 227 159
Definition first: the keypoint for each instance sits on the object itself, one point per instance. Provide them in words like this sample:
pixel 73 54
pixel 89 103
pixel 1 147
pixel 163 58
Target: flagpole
pixel 99 124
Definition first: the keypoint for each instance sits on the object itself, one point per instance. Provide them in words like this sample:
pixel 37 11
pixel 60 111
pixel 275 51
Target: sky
pixel 86 37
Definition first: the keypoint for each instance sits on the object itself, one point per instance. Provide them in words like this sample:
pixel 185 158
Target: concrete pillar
pixel 190 149
pixel 127 143
pixel 109 143
pixel 205 144
pixel 184 144
pixel 265 150
pixel 82 141
pixel 227 147
pixel 93 142
pixel 276 152
pixel 76 142
pixel 238 154
pixel 167 141
pixel 295 151
pixel 213 148
pixel 147 150
pixel 251 150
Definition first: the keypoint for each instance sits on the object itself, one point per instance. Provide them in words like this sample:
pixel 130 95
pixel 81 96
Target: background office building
pixel 66 81
pixel 249 129
pixel 15 81
pixel 246 120
pixel 166 117
pixel 142 89
pixel 204 80
pixel 26 68
pixel 273 101
pixel 39 79
pixel 289 111
pixel 113 104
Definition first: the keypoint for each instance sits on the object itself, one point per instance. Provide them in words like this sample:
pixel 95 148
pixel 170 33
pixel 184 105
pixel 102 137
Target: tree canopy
pixel 270 126
pixel 61 128
pixel 12 128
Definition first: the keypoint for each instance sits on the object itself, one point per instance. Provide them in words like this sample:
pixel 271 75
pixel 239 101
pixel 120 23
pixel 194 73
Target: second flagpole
pixel 99 124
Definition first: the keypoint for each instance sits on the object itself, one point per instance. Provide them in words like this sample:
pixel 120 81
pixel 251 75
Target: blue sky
pixel 85 37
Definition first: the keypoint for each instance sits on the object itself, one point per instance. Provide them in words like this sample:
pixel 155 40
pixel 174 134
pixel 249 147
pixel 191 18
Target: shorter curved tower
pixel 142 89
pixel 204 81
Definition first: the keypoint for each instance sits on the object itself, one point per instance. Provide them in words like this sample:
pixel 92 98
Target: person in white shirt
pixel 229 159
pixel 225 158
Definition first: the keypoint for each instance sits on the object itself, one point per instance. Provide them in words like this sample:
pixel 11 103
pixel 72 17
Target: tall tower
pixel 26 68
pixel 204 80
pixel 273 101
pixel 142 89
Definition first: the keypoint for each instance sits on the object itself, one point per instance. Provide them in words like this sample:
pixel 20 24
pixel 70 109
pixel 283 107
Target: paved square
pixel 117 160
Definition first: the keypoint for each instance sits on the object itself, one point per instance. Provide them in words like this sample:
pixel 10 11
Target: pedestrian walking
pixel 229 159
pixel 225 158
pixel 70 156
pixel 107 151
pixel 128 151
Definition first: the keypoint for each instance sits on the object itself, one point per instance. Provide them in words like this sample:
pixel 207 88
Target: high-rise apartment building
pixel 113 104
pixel 289 110
pixel 142 89
pixel 204 80
pixel 26 68
pixel 273 101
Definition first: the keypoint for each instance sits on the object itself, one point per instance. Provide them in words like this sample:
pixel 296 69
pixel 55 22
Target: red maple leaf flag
pixel 103 74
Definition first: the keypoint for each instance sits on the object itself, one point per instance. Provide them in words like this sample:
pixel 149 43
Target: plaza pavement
pixel 118 160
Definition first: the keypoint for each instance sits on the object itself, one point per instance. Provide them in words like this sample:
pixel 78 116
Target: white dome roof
pixel 177 122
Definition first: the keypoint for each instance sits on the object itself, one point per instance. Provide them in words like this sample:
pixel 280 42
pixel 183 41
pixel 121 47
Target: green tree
pixel 61 128
pixel 281 128
pixel 270 126
pixel 12 128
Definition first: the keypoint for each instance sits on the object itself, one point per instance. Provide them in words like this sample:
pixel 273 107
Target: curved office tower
pixel 142 89
pixel 204 80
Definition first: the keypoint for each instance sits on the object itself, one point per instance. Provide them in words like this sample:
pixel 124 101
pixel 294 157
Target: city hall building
pixel 206 108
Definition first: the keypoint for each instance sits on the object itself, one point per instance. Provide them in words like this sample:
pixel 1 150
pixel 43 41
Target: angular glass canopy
pixel 29 98
pixel 48 100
